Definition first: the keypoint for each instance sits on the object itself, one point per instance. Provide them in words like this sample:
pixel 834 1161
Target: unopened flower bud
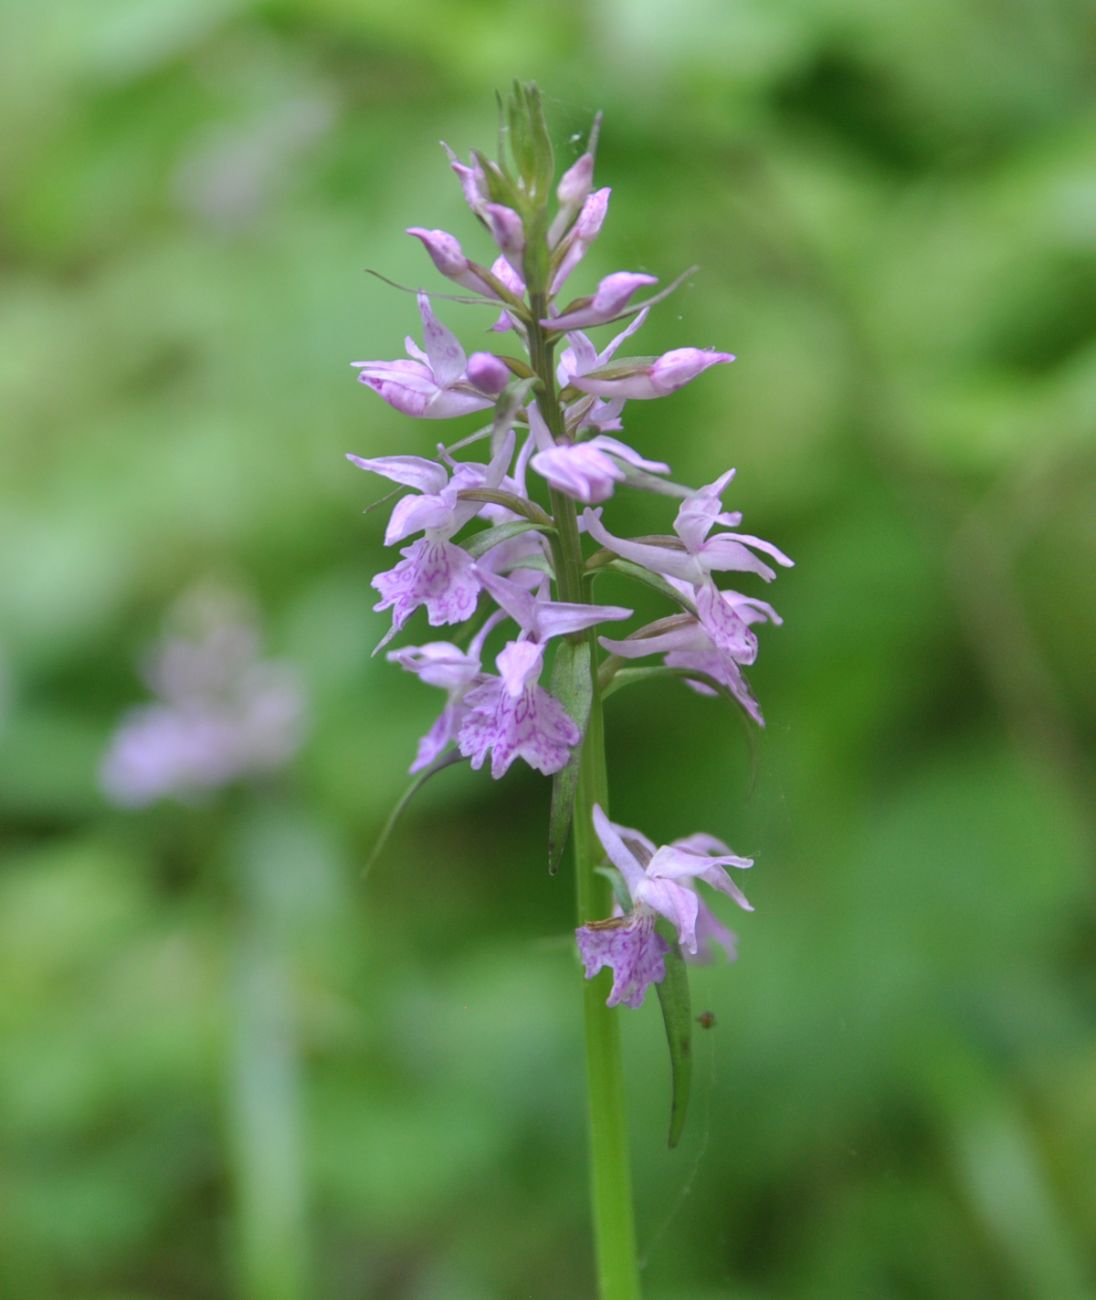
pixel 487 373
pixel 665 375
pixel 508 233
pixel 448 256
pixel 607 303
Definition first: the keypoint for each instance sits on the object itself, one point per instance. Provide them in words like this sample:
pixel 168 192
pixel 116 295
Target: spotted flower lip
pixel 433 384
pixel 632 947
pixel 510 716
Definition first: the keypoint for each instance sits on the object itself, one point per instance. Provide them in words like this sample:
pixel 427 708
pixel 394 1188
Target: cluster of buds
pixel 498 543
pixel 222 713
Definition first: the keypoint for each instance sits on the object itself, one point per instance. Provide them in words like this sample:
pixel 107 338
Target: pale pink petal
pixel 447 359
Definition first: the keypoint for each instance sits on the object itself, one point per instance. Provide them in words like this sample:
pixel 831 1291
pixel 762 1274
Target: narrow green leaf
pixel 677 1018
pixel 572 684
pixel 439 764
pixel 627 569
pixel 483 541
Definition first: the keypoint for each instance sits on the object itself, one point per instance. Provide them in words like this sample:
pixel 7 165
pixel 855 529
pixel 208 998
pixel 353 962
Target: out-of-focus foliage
pixel 894 209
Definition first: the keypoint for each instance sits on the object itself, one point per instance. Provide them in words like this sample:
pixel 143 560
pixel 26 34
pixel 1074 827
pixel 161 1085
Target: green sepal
pixel 522 148
pixel 439 764
pixel 500 188
pixel 544 160
pixel 572 684
pixel 677 1019
pixel 489 537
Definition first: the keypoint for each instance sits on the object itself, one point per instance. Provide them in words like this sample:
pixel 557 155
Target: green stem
pixel 611 1184
pixel 610 1174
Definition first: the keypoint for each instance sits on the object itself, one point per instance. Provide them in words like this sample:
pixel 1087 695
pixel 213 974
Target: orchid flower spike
pixel 521 553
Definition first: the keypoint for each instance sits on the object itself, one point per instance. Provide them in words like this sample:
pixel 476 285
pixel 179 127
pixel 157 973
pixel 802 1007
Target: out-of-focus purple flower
pixel 433 384
pixel 634 950
pixel 649 379
pixel 711 933
pixel 588 471
pixel 510 716
pixel 223 714
pixel 609 300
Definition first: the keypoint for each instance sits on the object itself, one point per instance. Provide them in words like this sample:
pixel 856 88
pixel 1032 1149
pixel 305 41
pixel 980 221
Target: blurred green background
pixel 230 1067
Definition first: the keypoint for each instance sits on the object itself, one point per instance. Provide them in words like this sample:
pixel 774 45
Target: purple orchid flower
pixel 658 378
pixel 510 715
pixel 434 571
pixel 660 881
pixel 440 663
pixel 714 644
pixel 433 385
pixel 488 373
pixel 693 556
pixel 473 183
pixel 222 713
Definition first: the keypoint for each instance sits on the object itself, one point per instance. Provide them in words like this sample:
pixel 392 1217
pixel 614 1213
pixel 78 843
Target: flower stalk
pixel 609 1160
